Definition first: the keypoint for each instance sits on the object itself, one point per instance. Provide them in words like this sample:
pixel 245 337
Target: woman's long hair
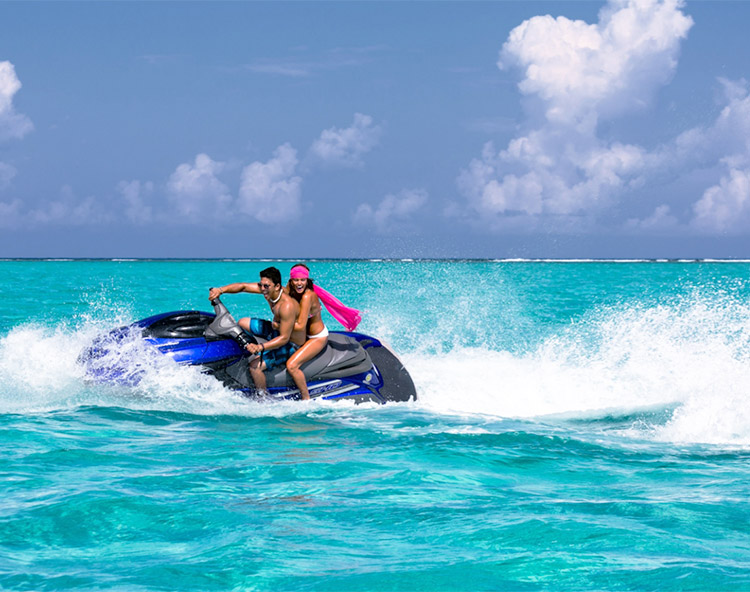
pixel 290 286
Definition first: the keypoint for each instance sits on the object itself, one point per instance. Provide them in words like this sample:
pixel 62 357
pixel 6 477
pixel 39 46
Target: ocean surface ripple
pixel 579 426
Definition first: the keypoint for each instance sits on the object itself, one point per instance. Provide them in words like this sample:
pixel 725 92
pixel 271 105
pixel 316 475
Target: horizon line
pixel 385 259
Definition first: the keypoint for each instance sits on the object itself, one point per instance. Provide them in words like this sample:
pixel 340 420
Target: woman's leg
pixel 310 349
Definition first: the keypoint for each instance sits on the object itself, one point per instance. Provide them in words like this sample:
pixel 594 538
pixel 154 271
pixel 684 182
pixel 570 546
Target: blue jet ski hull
pixel 354 366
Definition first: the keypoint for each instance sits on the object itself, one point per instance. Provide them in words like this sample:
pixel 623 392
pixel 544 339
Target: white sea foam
pixel 691 360
pixel 40 372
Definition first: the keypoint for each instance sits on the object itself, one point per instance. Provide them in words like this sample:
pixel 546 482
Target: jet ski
pixel 353 366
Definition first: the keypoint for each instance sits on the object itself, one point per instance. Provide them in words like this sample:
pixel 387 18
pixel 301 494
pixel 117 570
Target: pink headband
pixel 299 272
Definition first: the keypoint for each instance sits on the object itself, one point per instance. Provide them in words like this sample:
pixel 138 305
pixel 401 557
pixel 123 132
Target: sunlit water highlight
pixel 580 425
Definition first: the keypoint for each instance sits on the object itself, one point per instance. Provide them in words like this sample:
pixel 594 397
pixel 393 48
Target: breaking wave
pixel 673 373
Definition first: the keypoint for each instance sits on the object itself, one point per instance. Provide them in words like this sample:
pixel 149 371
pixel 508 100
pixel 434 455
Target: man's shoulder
pixel 289 304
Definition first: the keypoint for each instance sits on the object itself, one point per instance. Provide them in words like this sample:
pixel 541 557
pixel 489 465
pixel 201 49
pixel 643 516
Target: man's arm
pixel 252 288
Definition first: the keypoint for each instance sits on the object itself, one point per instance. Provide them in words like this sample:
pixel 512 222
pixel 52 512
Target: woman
pixel 309 296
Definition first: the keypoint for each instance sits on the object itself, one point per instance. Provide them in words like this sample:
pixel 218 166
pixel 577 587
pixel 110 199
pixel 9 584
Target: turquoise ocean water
pixel 580 426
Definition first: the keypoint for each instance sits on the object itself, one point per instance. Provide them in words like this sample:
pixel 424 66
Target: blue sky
pixel 419 129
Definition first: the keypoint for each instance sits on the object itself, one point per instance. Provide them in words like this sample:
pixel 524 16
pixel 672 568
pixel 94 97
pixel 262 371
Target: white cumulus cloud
pixel 68 210
pixel 195 191
pixel 581 71
pixel 724 148
pixel 660 221
pixel 134 194
pixel 725 207
pixel 11 214
pixel 345 147
pixel 393 210
pixel 725 141
pixel 579 74
pixel 270 191
pixel 12 124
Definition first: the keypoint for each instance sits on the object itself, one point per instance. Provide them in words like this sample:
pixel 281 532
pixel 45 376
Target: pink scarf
pixel 349 317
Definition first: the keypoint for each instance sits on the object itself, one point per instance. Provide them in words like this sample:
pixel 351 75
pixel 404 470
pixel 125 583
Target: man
pixel 283 340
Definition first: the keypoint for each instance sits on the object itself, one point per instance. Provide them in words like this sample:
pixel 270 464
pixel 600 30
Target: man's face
pixel 266 286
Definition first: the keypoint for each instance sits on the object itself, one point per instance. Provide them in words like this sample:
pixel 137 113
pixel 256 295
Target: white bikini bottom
pixel 323 333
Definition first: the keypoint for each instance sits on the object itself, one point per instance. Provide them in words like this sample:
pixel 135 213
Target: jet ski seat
pixel 342 356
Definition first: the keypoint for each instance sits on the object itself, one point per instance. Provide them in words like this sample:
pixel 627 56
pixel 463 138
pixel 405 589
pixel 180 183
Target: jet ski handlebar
pixel 224 325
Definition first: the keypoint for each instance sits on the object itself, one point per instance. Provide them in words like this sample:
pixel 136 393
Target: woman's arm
pixel 304 311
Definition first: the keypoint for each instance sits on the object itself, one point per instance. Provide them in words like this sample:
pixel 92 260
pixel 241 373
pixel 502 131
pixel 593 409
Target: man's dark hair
pixel 272 274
